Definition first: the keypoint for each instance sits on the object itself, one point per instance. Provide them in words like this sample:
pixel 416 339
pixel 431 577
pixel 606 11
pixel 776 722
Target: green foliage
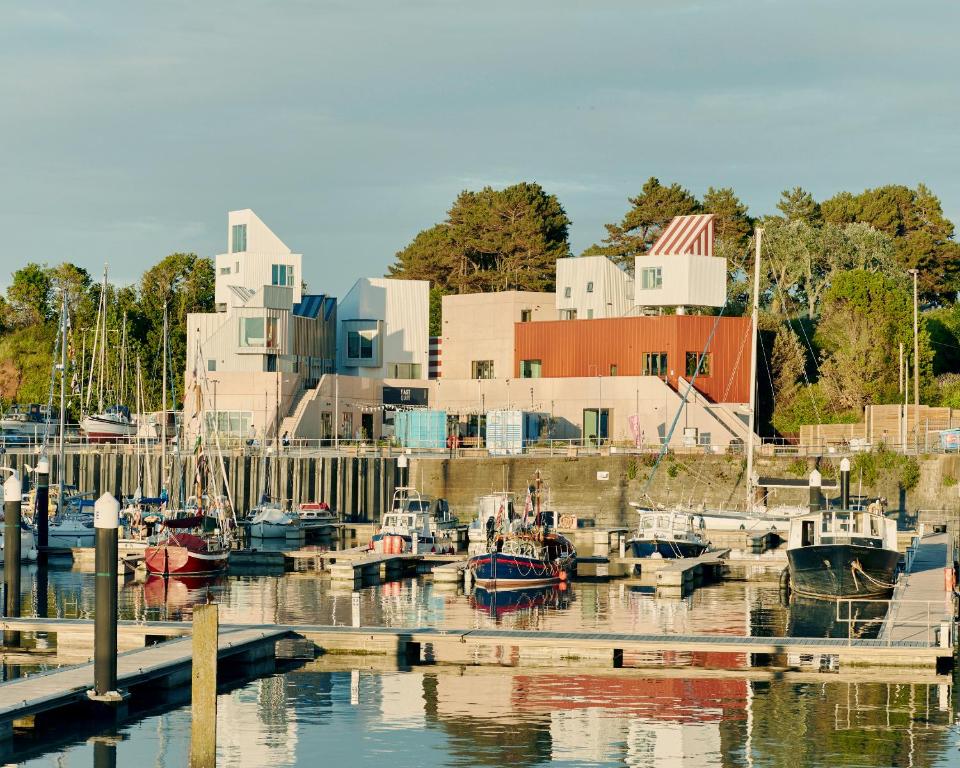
pixel 810 406
pixel 797 468
pixel 26 355
pixel 865 316
pixel 886 466
pixel 798 205
pixel 632 469
pixel 436 310
pixel 29 295
pixel 492 240
pixel 649 213
pixel 948 481
pixel 673 469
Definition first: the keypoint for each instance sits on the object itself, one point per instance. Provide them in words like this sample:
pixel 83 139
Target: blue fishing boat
pixel 669 534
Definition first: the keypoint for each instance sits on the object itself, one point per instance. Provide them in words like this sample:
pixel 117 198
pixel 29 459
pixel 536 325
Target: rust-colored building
pixel 667 346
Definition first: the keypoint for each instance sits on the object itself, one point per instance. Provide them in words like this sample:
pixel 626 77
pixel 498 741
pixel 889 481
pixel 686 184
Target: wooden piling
pixel 203 730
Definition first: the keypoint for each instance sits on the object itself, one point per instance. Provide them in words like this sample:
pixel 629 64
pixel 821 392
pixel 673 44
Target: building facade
pixel 590 287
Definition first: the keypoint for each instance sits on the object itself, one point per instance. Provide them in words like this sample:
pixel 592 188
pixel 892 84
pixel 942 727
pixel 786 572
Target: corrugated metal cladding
pixel 593 347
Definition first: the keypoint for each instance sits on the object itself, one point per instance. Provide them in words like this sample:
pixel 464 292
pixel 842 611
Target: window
pixel 238 242
pixel 589 314
pixel 279 274
pixel 211 365
pixel 360 344
pixel 481 369
pixel 590 287
pixel 529 369
pixel 691 367
pixel 229 423
pixel 224 270
pixel 613 369
pixel 566 292
pixel 654 363
pixel 526 315
pixel 403 370
pixel 651 278
pixel 568 314
pixel 252 332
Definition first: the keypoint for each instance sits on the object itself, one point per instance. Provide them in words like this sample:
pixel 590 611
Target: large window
pixel 529 369
pixel 650 278
pixel 481 369
pixel 654 363
pixel 228 423
pixel 403 370
pixel 568 314
pixel 238 242
pixel 360 344
pixel 691 366
pixel 258 332
pixel 282 274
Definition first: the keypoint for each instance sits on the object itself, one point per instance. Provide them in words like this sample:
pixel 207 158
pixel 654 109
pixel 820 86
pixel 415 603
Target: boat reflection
pixel 826 618
pixel 176 595
pixel 499 603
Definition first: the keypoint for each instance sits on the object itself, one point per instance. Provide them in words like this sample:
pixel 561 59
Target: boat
pixel 480 532
pixel 113 423
pixel 843 553
pixel 71 530
pixel 414 517
pixel 668 534
pixel 316 514
pixel 498 603
pixel 525 556
pixel 269 521
pixel 30 420
pixel 181 552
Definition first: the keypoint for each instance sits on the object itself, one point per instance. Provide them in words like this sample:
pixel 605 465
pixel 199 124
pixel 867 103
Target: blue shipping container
pixel 421 429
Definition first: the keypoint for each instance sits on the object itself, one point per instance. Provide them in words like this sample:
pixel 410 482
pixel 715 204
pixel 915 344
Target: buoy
pixel 563 575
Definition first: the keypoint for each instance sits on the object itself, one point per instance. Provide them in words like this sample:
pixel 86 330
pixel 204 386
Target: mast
pixel 122 384
pixel 163 406
pixel 63 400
pixel 102 320
pixel 752 414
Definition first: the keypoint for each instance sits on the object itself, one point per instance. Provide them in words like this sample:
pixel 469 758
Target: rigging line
pixel 686 394
pixel 766 364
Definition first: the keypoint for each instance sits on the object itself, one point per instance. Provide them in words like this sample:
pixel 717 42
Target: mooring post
pixel 43 504
pixel 106 519
pixel 355 609
pixel 203 729
pixel 104 754
pixel 11 554
pixel 815 482
pixel 845 483
pixel 623 545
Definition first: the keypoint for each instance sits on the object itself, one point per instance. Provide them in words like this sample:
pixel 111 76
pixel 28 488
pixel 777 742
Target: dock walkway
pixel 922 604
pixel 169 660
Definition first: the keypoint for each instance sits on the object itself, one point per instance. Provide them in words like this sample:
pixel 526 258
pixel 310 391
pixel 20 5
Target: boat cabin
pixel 864 527
pixel 663 524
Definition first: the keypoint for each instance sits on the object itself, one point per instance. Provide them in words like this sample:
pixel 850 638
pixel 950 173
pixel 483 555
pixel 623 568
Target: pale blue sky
pixel 129 129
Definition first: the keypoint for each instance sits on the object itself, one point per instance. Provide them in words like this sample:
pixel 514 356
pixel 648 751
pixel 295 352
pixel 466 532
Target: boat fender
pixel 785 580
pixel 562 575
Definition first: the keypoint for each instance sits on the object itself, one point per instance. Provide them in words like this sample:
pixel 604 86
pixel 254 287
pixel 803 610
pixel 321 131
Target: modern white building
pixel 383 329
pixel 680 269
pixel 592 287
pixel 267 341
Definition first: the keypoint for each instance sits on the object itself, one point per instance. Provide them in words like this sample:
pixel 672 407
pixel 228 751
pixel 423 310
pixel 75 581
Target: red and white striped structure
pixel 691 235
pixel 434 359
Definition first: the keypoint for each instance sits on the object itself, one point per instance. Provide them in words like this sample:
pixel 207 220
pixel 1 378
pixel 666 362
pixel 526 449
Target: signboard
pixel 411 396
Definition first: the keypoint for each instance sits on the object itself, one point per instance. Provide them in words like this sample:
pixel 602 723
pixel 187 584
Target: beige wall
pixel 479 326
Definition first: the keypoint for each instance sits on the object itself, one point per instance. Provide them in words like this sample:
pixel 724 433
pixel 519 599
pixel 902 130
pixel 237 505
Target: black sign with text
pixel 405 396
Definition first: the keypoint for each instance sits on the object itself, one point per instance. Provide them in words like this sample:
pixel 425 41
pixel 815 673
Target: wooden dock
pixel 922 606
pixel 165 664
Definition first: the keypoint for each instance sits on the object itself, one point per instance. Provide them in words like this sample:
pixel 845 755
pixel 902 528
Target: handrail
pixel 927 623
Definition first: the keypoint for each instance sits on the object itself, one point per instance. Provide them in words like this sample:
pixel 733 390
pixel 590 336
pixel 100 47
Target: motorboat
pixel 526 558
pixel 272 522
pixel 668 534
pixel 114 423
pixel 71 530
pixel 843 553
pixel 184 550
pixel 30 420
pixel 413 518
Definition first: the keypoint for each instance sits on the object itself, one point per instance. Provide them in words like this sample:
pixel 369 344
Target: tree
pixel 649 213
pixel 798 205
pixel 866 315
pixel 732 225
pixel 492 240
pixel 77 283
pixel 29 295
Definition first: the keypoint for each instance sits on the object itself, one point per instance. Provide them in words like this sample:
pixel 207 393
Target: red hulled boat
pixel 180 553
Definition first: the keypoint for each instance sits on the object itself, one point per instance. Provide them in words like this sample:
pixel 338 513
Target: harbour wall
pixel 597 488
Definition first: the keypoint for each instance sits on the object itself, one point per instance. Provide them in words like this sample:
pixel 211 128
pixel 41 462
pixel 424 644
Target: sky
pixel 128 130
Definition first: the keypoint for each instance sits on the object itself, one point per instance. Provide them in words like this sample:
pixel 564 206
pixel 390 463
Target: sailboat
pixel 185 545
pixel 111 422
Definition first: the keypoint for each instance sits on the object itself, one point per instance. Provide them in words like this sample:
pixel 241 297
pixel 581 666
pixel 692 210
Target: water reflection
pixel 499 603
pixel 492 717
pixel 827 618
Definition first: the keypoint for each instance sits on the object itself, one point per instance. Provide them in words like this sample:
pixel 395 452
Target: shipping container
pixel 421 429
pixel 509 431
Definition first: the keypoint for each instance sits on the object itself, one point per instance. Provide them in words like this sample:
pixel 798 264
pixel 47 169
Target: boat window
pixel 874 526
pixel 807 533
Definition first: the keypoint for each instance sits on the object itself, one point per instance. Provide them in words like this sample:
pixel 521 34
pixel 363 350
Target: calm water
pixel 478 716
pixel 452 716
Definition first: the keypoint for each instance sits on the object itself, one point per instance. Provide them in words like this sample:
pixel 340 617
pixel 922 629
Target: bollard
pixel 203 707
pixel 355 609
pixel 106 519
pixel 845 484
pixel 815 497
pixel 11 554
pixel 42 508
